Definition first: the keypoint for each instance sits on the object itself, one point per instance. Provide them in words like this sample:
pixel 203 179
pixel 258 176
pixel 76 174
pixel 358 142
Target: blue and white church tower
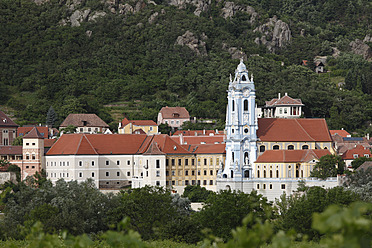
pixel 241 127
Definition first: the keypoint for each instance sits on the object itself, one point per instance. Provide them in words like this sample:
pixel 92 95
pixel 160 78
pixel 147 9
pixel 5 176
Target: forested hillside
pixel 112 56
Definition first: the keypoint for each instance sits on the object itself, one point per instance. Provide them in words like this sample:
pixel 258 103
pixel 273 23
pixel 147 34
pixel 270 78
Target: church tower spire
pixel 241 126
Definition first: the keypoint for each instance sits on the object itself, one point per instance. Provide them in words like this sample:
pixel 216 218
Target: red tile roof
pixel 125 122
pixel 10 150
pixel 284 101
pixel 77 120
pixel 5 121
pixel 291 156
pixel 342 133
pixel 174 113
pixel 194 140
pixel 34 134
pixel 280 129
pixel 168 146
pixel 360 150
pixel 22 131
pixel 72 144
pixel 49 142
pixel 197 132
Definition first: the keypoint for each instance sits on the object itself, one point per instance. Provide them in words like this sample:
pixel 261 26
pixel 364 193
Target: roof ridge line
pixel 305 130
pixel 90 144
pixel 77 149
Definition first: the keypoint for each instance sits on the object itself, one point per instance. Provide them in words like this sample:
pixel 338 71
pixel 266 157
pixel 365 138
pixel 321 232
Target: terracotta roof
pixel 197 132
pixel 22 131
pixel 284 101
pixel 195 140
pixel 210 149
pixel 49 142
pixel 72 144
pixel 138 131
pixel 153 149
pixel 34 134
pixel 5 121
pixel 359 150
pixel 280 129
pixel 167 145
pixel 10 150
pixel 78 120
pixel 174 113
pixel 291 156
pixel 125 122
pixel 342 133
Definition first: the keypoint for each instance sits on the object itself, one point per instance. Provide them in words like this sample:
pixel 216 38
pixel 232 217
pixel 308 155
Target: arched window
pixel 246 174
pixel 325 147
pixel 232 174
pixel 271 174
pixel 305 147
pixel 262 148
pixel 232 156
pixel 264 173
pixel 244 78
pixel 233 105
pixel 224 176
pixel 290 147
pixel 277 174
pixel 258 174
pixel 276 147
pixel 246 159
pixel 245 105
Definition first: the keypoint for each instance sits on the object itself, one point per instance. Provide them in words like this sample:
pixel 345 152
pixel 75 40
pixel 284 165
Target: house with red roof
pixel 357 152
pixel 173 116
pixel 8 130
pixel 137 126
pixel 282 107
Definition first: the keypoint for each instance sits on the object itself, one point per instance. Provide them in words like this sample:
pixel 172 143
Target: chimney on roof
pixel 367 136
pixel 286 94
pixel 279 95
pixel 181 139
pixel 216 131
pixel 203 131
pixel 119 124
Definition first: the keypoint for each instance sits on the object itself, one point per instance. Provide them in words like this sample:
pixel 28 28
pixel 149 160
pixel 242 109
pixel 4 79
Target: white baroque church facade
pixel 279 169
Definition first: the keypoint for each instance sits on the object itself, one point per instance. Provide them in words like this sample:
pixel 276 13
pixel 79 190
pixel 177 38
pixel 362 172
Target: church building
pixel 268 155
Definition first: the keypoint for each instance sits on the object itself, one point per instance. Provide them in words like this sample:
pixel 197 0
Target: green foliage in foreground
pixel 342 227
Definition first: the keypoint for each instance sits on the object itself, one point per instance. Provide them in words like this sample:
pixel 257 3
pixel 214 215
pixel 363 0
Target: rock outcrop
pixel 153 17
pixel 188 39
pixel 230 9
pixel 234 52
pixel 276 34
pixel 360 48
pixel 201 5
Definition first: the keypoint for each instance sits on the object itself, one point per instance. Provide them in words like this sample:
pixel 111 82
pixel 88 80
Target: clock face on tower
pixel 246 93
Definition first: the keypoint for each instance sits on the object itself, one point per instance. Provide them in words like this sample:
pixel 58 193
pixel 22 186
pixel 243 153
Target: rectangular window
pixel 264 186
pixel 205 172
pixel 158 173
pixel 157 183
pixel 173 182
pixel 211 172
pixel 92 174
pixel 193 173
pixel 117 162
pixel 283 186
pixel 173 161
pixel 198 172
pixel 204 182
pixel 128 162
pixel 186 161
pixel 198 182
pixel 157 164
pixel 205 161
pixel 186 173
pixel 179 162
pixel 128 173
pixel 80 174
pixel 107 173
pixel 107 162
pixel 173 173
pixel 92 163
pixel 186 182
pixel 167 162
pixel 80 163
pixel 193 182
pixel 192 161
pixel 118 173
pixel 258 186
pixel 271 186
pixel 211 182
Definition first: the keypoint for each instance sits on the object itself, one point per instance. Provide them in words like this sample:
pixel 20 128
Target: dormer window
pixel 366 155
pixel 176 115
pixel 84 123
pixel 355 155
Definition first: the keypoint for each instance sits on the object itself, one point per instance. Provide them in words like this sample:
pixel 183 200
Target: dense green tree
pixel 328 166
pixel 196 193
pixel 51 117
pixel 359 161
pixel 214 216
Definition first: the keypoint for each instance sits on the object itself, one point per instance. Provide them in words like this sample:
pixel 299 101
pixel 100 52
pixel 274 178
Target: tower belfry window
pixel 245 105
pixel 233 105
pixel 244 78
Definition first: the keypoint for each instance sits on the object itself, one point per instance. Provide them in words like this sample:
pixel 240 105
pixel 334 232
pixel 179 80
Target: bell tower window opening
pixel 233 105
pixel 244 78
pixel 245 105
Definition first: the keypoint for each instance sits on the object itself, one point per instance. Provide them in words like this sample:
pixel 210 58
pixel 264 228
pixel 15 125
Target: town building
pixel 134 126
pixel 85 123
pixel 173 116
pixel 8 130
pixel 282 107
pixel 357 152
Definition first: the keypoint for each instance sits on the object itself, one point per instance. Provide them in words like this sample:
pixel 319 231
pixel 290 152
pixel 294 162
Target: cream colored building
pixel 137 126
